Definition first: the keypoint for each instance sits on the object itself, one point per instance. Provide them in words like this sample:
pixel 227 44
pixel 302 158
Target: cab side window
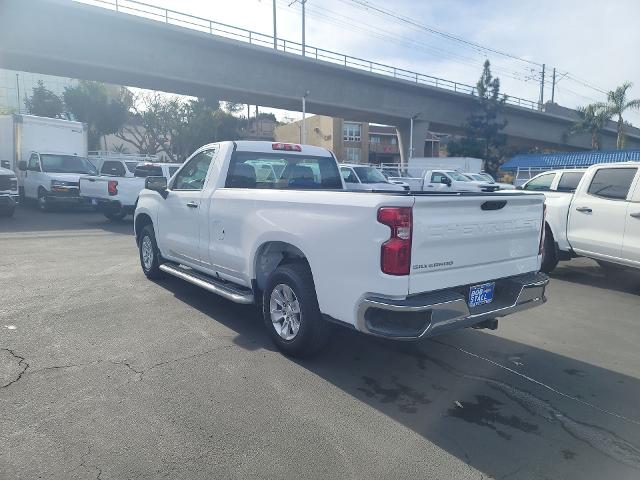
pixel 541 183
pixel 194 173
pixel 438 177
pixel 34 163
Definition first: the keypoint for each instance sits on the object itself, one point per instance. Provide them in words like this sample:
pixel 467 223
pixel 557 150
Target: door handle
pixel 584 210
pixel 635 215
pixel 192 205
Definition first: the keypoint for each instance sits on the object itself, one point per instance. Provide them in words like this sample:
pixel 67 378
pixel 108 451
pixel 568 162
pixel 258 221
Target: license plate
pixel 481 294
pixel 94 201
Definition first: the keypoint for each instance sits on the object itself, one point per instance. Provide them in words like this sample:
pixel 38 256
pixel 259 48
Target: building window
pixel 394 140
pixel 351 132
pixel 374 139
pixel 352 155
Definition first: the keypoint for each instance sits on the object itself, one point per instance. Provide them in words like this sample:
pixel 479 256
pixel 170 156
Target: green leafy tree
pixel 483 127
pixel 44 103
pixel 104 108
pixel 593 118
pixel 618 103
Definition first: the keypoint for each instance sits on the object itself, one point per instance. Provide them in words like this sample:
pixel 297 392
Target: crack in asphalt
pixel 21 361
pixel 600 439
pixel 141 373
pixel 541 384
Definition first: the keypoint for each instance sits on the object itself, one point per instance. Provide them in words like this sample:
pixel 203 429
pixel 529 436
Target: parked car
pixel 414 265
pixel 601 220
pixel 453 181
pixel 8 192
pixel 486 178
pixel 365 177
pixel 115 195
pixel 394 179
pixel 54 178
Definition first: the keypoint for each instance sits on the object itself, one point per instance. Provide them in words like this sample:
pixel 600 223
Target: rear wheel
pixel 115 215
pixel 291 312
pixel 150 258
pixel 549 254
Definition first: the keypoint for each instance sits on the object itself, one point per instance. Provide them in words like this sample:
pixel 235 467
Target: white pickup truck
pixel 601 220
pixel 8 192
pixel 115 191
pixel 312 254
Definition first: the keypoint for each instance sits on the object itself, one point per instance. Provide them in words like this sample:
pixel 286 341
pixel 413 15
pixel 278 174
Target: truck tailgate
pixel 473 238
pixel 94 186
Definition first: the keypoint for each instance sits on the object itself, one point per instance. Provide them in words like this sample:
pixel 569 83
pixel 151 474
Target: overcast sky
pixel 596 42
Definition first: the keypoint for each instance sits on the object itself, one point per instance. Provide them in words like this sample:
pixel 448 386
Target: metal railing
pixel 212 27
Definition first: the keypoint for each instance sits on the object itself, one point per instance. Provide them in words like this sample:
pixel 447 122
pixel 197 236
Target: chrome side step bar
pixel 228 290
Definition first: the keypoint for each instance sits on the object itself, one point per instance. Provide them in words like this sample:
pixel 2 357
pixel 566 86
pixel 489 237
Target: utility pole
pixel 275 31
pixel 18 91
pixel 541 103
pixel 553 86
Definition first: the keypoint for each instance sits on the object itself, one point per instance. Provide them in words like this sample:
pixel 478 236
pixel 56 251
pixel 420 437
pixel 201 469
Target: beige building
pixel 352 142
pixel 348 140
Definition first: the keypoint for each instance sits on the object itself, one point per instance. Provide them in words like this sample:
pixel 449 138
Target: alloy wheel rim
pixel 147 253
pixel 285 311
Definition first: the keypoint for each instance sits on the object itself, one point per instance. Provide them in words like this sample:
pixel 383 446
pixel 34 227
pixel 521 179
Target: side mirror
pixel 157 184
pixel 22 166
pixel 446 181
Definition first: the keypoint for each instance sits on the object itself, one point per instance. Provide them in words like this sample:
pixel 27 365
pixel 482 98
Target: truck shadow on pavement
pixel 584 271
pixel 29 219
pixel 505 408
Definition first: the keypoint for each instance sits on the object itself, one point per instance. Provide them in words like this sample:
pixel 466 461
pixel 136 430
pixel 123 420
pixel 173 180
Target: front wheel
pixel 43 201
pixel 150 258
pixel 291 312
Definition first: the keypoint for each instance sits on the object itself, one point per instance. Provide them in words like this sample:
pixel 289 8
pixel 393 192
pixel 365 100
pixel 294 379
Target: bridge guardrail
pixel 212 27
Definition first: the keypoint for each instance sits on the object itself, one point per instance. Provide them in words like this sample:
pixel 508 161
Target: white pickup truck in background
pixel 312 254
pixel 601 220
pixel 115 192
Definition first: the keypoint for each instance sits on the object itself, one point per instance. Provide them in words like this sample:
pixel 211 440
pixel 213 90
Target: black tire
pixel 43 202
pixel 314 331
pixel 549 254
pixel 115 215
pixel 150 268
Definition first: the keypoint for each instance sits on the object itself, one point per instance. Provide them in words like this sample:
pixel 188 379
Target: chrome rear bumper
pixel 435 313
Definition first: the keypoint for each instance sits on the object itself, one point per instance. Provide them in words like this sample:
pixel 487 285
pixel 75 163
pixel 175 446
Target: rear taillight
pixel 395 254
pixel 542 232
pixel 112 187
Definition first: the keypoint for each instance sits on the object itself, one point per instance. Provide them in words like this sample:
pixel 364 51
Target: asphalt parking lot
pixel 107 375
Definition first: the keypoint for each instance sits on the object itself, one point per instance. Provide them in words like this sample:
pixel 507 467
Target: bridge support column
pixel 412 137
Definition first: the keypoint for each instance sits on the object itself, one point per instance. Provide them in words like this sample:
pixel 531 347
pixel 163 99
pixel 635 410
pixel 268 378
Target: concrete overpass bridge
pixel 173 52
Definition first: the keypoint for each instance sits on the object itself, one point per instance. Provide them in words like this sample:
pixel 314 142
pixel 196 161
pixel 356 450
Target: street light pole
pixel 275 31
pixel 303 133
pixel 304 48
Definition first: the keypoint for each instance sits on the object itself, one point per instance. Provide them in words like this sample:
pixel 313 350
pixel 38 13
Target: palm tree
pixel 593 118
pixel 617 104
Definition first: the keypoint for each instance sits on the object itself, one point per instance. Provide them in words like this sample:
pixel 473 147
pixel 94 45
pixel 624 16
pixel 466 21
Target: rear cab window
pixel 113 168
pixel 612 183
pixel 282 171
pixel 148 171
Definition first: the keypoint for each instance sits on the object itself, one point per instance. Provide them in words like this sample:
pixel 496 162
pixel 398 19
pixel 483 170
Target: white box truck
pixel 47 154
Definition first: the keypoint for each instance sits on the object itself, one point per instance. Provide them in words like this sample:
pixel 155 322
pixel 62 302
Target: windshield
pixel 486 177
pixel 369 175
pixel 66 164
pixel 458 177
